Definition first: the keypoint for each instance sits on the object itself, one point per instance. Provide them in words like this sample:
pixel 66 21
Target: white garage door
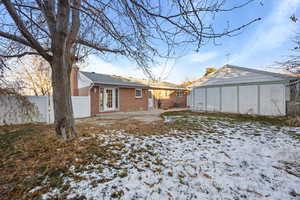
pixel 213 99
pixel 248 99
pixel 199 99
pixel 272 99
pixel 229 99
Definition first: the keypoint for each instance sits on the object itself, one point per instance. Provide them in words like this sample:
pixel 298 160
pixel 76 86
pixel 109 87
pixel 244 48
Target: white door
pixel 150 99
pixel 109 99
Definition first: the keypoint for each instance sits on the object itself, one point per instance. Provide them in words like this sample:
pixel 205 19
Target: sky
pixel 258 46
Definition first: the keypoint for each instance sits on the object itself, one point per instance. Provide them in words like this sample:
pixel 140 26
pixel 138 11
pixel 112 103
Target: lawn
pixel 184 157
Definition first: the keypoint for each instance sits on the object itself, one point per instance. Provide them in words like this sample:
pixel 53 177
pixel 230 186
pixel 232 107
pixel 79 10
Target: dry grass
pixel 294 121
pixel 268 120
pixel 30 153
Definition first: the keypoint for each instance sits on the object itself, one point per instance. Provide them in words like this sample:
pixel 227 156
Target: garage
pixel 233 89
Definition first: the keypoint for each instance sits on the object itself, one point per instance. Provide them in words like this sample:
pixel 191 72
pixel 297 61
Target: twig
pixel 288 171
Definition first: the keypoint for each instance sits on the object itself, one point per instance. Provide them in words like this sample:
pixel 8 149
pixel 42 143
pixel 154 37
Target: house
pixel 234 89
pixel 164 95
pixel 110 93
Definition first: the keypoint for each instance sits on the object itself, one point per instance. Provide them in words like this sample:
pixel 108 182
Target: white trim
pixel 138 97
pixel 113 108
pixel 83 81
pixel 179 93
pixel 101 100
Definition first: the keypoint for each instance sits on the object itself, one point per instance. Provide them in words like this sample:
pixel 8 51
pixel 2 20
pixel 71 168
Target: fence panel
pixel 14 110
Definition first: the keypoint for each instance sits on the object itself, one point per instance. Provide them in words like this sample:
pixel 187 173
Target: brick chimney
pixel 74 81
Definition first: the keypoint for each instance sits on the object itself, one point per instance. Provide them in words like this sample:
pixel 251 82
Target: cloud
pixel 202 57
pixel 165 70
pixel 98 65
pixel 273 32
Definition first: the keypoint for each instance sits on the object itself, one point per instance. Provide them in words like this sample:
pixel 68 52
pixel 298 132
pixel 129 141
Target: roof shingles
pixel 229 74
pixel 128 82
pixel 111 80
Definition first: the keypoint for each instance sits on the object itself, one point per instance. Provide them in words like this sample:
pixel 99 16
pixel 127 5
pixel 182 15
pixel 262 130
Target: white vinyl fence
pixel 268 99
pixel 14 110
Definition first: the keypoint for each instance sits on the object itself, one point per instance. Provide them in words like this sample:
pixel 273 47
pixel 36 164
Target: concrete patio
pixel 115 117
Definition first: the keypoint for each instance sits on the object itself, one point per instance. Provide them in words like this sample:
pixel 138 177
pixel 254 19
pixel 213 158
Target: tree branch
pixel 99 48
pixel 15 38
pixel 34 44
pixel 48 10
pixel 75 23
pixel 19 55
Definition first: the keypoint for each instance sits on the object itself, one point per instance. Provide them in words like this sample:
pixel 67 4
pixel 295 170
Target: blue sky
pixel 258 46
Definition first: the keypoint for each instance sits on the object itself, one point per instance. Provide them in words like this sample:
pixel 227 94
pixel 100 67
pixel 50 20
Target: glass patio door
pixel 110 99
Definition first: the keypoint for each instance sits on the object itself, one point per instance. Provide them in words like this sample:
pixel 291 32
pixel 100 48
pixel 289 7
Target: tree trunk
pixel 63 111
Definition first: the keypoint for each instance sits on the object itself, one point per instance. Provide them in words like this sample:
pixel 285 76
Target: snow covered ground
pixel 216 159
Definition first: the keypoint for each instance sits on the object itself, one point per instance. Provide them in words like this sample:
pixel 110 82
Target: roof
pixel 111 80
pixel 230 75
pixel 158 84
pixel 128 81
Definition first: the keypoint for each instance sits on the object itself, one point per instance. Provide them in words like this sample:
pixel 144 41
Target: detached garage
pixel 233 89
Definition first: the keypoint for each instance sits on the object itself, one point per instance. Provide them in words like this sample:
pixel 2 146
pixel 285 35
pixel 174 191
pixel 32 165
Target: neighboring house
pixel 235 89
pixel 110 93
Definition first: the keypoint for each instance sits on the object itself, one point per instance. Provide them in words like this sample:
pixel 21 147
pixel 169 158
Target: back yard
pixel 184 156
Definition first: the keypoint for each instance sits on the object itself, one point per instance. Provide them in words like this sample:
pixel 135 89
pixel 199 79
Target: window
pixel 138 93
pixel 179 93
pixel 166 93
pixel 109 94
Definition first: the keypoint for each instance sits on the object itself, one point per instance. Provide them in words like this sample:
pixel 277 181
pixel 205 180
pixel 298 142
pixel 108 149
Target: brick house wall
pixel 95 101
pixel 74 81
pixel 127 100
pixel 168 98
pixel 84 91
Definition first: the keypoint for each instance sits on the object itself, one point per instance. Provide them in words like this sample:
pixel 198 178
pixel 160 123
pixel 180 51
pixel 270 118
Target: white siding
pixel 199 99
pixel 213 99
pixel 272 99
pixel 83 81
pixel 189 98
pixel 248 99
pixel 229 99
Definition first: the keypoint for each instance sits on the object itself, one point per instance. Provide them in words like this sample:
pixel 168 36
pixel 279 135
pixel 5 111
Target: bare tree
pixel 63 31
pixel 33 76
pixel 292 63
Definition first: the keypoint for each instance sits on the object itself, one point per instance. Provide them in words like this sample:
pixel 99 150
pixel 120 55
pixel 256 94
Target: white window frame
pixel 179 93
pixel 141 90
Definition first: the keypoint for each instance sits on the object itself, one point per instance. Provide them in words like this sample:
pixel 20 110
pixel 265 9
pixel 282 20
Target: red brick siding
pixel 83 91
pixel 94 95
pixel 170 100
pixel 74 81
pixel 128 101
